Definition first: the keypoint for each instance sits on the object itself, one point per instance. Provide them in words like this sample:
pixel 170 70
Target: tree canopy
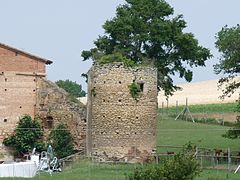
pixel 145 32
pixel 27 135
pixel 228 44
pixel 71 87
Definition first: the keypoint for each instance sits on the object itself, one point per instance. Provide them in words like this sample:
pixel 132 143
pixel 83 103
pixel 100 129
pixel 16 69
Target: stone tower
pixel 117 123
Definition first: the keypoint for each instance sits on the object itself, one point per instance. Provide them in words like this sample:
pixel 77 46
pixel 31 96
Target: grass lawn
pixel 170 132
pixel 178 133
pixel 217 175
pixel 86 170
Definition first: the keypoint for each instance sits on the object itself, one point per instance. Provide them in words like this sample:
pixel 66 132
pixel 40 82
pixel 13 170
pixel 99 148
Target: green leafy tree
pixel 74 89
pixel 61 140
pixel 27 135
pixel 144 32
pixel 228 44
pixel 181 166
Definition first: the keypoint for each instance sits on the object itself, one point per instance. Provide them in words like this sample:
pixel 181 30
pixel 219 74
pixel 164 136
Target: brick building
pixel 120 126
pixel 24 90
pixel 19 74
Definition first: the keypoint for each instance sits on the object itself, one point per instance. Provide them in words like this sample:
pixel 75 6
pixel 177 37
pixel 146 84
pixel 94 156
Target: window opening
pixel 49 122
pixel 141 85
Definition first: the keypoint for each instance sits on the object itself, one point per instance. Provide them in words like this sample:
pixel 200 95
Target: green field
pixel 169 132
pixel 179 132
pixel 203 108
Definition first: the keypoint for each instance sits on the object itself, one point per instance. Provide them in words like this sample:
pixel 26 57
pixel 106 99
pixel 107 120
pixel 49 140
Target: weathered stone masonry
pixel 54 107
pixel 117 123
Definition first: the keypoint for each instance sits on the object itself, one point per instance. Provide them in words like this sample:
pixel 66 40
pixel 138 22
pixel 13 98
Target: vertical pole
pixel 176 108
pixel 162 106
pixel 167 106
pixel 213 161
pixel 229 159
pixel 186 109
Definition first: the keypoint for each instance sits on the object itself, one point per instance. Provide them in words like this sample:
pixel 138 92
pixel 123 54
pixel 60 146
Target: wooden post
pixel 162 106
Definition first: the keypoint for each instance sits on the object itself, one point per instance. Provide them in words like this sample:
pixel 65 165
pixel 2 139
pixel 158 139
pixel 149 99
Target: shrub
pixel 182 166
pixel 27 135
pixel 135 90
pixel 61 141
pixel 234 132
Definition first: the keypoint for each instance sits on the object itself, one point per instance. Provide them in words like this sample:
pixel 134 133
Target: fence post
pixel 162 106
pixel 167 106
pixel 213 160
pixel 176 108
pixel 229 159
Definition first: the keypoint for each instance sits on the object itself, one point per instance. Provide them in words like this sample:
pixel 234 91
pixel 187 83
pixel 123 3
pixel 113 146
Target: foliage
pixel 234 132
pixel 135 90
pixel 144 32
pixel 84 75
pixel 27 135
pixel 116 57
pixel 61 140
pixel 182 166
pixel 74 89
pixel 228 44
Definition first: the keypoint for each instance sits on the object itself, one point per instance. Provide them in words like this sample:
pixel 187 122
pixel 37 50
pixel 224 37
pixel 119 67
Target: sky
pixel 60 29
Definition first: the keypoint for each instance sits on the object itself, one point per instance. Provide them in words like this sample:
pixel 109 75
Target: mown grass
pixel 169 132
pixel 179 132
pixel 203 108
pixel 217 175
pixel 87 170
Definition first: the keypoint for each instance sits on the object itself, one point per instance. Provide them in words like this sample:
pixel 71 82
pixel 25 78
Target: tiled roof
pixel 46 61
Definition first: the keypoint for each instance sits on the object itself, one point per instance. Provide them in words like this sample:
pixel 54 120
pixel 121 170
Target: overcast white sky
pixel 60 29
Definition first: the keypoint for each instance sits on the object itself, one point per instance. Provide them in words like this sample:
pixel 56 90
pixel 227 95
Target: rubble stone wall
pixel 54 106
pixel 117 122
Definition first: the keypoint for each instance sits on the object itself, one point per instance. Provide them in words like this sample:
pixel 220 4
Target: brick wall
pixel 11 61
pixel 18 85
pixel 116 121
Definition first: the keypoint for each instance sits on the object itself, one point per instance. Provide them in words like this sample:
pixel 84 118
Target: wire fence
pixel 221 157
pixel 224 114
pixel 90 168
